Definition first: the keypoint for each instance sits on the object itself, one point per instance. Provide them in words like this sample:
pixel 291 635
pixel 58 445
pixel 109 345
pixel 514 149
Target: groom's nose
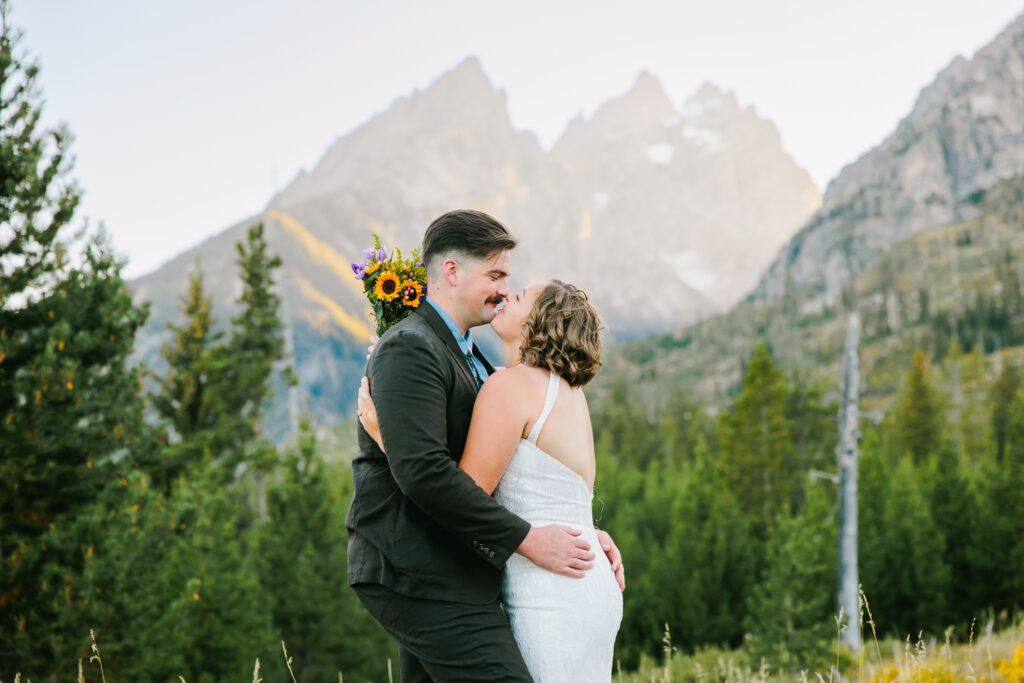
pixel 502 289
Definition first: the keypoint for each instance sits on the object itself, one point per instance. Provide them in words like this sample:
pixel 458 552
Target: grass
pixel 988 658
pixel 991 657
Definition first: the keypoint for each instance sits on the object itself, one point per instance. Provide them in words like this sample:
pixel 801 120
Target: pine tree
pixel 217 600
pixel 813 429
pixel 257 338
pixel 302 560
pixel 623 427
pixel 183 399
pixel 708 561
pixel 997 544
pixel 954 508
pixel 756 443
pixel 901 549
pixel 123 592
pixel 71 417
pixel 679 426
pixel 1004 392
pixel 1012 504
pixel 790 608
pixel 634 506
pixel 918 415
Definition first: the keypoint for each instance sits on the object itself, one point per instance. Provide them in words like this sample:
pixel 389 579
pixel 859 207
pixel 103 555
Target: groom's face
pixel 483 286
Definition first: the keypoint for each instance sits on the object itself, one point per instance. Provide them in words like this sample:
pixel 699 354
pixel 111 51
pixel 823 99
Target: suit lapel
pixel 483 359
pixel 440 328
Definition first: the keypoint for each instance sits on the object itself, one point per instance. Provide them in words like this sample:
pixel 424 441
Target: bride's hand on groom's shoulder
pixel 614 557
pixel 559 549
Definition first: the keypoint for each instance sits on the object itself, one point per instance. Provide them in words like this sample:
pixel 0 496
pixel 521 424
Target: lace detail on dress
pixel 565 627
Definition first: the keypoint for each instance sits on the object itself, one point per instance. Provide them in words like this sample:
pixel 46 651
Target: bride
pixel 531 443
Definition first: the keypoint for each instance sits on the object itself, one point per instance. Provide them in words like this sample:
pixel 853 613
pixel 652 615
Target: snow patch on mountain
pixel 660 153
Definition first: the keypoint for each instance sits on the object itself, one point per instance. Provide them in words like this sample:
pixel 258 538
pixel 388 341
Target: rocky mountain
pixel 922 237
pixel 663 216
pixel 707 190
pixel 964 136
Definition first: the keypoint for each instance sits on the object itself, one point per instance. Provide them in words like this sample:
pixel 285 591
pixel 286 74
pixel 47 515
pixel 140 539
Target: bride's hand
pixel 368 412
pixel 614 557
pixel 373 344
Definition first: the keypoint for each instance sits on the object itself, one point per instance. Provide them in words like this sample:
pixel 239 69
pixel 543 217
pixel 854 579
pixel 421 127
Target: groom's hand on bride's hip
pixel 559 549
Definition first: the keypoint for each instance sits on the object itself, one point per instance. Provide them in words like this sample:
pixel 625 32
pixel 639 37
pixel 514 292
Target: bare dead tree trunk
pixel 847 453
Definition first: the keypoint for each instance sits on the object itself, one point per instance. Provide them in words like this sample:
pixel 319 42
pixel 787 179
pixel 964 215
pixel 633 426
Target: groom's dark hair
pixel 464 231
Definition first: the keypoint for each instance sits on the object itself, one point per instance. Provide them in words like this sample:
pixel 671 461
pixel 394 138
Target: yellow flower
pixel 387 288
pixel 371 267
pixel 412 293
pixel 1014 669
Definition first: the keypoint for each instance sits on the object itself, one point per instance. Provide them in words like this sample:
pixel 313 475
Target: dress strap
pixel 549 402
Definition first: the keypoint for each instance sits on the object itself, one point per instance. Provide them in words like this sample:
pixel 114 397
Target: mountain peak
pixel 710 96
pixel 647 89
pixel 466 77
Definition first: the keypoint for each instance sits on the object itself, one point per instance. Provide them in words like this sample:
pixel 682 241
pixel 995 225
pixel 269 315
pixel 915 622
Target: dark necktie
pixel 472 368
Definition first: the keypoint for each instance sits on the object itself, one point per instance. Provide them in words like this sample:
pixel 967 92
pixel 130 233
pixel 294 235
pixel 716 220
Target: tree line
pixel 159 521
pixel 728 522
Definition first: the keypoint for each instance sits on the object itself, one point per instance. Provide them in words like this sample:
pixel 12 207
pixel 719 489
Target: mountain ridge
pixel 964 133
pixel 660 178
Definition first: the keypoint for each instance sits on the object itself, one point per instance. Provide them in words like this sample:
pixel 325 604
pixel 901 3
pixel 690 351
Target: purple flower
pixel 369 253
pixel 381 255
pixel 359 269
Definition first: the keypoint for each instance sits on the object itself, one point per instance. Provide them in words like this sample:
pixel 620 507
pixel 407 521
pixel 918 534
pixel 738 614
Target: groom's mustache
pixel 495 299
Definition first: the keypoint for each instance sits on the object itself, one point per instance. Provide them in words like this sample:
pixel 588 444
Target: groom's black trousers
pixel 446 641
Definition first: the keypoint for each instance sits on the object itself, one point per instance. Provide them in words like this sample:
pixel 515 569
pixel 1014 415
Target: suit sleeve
pixel 410 393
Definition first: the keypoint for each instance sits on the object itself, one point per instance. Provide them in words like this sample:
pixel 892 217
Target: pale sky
pixel 189 114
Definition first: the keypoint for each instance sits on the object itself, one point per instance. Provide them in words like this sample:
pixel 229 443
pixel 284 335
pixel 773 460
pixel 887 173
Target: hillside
pixel 963 281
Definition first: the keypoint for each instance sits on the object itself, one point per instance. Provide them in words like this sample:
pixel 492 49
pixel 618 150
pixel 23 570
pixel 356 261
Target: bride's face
pixel 508 322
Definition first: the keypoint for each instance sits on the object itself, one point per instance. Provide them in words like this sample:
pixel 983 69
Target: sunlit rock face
pixel 963 138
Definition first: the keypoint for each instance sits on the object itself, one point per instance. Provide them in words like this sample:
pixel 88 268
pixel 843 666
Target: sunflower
pixel 387 288
pixel 371 267
pixel 412 293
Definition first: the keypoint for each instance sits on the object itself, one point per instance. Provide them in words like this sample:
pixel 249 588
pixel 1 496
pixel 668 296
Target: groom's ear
pixel 450 270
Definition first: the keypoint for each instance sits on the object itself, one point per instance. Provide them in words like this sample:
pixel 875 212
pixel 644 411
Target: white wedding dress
pixel 564 627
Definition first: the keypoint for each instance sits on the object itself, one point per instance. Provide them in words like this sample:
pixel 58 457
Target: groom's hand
pixel 558 549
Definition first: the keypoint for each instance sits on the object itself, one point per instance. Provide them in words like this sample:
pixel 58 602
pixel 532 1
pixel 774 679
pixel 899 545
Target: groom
pixel 426 544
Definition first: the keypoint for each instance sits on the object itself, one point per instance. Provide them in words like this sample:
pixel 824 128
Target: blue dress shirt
pixel 477 368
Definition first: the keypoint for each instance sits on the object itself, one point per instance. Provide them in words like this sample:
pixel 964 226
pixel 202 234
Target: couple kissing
pixel 471 538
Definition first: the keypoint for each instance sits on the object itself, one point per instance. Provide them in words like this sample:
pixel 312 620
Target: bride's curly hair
pixel 563 334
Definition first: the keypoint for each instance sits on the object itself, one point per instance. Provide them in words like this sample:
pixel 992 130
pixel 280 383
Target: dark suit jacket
pixel 418 524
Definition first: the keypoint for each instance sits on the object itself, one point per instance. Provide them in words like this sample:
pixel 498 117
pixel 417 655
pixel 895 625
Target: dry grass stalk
pixel 288 662
pixel 96 656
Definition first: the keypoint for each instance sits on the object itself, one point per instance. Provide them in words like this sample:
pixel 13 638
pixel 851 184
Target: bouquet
pixel 394 286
